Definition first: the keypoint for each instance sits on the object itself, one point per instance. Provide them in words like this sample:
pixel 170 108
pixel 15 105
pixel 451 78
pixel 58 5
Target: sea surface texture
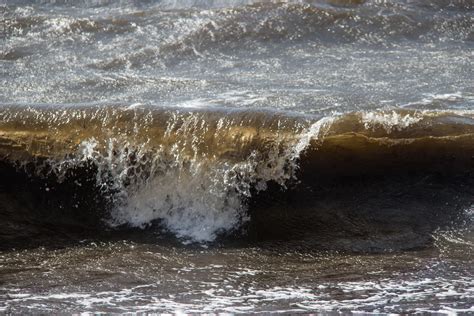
pixel 236 156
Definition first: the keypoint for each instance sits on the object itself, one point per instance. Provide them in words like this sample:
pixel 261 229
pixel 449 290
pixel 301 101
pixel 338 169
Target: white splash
pixel 316 131
pixel 390 121
pixel 195 197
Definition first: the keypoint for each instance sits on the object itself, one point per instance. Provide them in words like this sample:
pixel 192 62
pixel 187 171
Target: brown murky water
pixel 236 156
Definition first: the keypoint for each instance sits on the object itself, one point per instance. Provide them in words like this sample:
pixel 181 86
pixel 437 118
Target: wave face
pixel 200 174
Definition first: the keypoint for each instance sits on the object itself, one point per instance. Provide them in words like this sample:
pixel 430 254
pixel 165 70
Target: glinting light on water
pixel 236 156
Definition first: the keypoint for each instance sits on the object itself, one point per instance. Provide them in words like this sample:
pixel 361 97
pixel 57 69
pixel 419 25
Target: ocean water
pixel 237 156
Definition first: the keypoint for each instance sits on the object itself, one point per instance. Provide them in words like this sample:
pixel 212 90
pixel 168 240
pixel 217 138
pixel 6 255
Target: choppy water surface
pixel 236 156
pixel 128 276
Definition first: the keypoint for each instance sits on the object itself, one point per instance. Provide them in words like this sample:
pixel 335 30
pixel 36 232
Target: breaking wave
pixel 200 174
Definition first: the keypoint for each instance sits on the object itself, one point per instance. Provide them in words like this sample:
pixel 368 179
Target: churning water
pixel 236 156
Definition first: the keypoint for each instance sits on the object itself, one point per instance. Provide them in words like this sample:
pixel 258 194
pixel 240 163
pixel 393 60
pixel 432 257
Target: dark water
pixel 236 156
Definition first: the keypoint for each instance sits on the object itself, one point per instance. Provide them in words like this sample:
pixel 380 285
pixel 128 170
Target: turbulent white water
pixel 194 195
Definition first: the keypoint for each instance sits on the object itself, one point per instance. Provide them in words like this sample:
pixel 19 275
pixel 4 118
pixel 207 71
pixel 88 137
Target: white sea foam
pixel 383 296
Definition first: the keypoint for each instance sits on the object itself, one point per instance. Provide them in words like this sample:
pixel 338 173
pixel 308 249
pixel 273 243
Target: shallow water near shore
pixel 123 276
pixel 236 156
